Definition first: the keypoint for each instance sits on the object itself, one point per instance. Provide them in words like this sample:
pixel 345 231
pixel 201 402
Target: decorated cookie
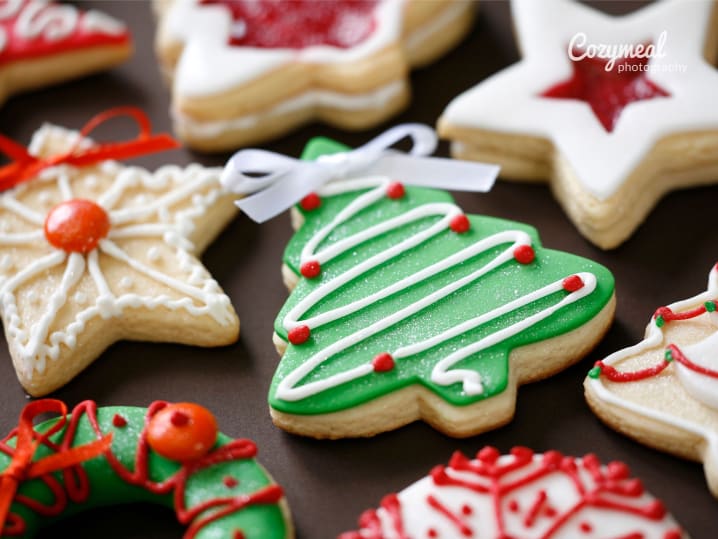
pixel 168 454
pixel 92 252
pixel 247 71
pixel 521 495
pixel 664 391
pixel 43 43
pixel 404 307
pixel 612 111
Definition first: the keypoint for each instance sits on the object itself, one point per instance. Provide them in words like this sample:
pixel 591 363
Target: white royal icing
pixel 509 101
pixel 443 373
pixel 477 514
pixel 209 64
pixel 702 388
pixel 202 297
pixel 321 98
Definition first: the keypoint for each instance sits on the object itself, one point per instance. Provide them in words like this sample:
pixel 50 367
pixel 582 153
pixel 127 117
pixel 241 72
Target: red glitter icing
pixel 299 334
pixel 607 92
pixel 76 226
pixel 311 269
pixel 524 254
pixel 19 47
pixel 75 485
pixel 310 202
pixel 300 23
pixel 460 224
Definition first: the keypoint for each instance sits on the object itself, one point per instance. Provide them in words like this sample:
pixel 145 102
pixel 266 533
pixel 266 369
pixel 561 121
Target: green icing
pixel 501 285
pixel 108 489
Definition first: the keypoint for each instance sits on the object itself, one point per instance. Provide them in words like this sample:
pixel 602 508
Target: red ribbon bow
pixel 26 166
pixel 22 468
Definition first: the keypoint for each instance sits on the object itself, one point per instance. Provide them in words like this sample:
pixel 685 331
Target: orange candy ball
pixel 182 432
pixel 76 226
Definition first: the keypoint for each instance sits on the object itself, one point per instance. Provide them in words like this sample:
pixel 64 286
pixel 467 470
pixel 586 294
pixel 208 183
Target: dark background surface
pixel 330 483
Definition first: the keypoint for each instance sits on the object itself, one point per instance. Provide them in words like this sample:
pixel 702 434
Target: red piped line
pixel 435 504
pixel 535 508
pixel 616 376
pixel 683 360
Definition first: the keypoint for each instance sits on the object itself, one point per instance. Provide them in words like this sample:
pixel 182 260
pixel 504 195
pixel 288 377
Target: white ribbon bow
pixel 275 182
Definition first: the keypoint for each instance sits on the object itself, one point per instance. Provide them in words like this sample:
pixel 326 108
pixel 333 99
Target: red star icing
pixel 273 23
pixel 607 92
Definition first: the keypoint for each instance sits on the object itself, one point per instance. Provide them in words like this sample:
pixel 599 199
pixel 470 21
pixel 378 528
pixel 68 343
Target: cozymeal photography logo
pixel 624 57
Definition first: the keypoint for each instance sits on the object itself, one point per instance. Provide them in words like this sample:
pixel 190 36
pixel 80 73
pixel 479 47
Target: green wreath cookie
pixel 168 454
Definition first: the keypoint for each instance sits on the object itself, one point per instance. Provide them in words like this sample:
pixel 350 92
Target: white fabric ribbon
pixel 275 182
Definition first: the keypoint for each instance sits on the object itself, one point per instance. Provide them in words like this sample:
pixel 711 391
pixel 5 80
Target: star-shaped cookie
pixel 249 71
pixel 612 111
pixel 664 390
pixel 43 43
pixel 95 254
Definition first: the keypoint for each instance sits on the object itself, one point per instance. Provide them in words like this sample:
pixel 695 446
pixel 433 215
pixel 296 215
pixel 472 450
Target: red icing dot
pixel 586 527
pixel 572 283
pixel 272 24
pixel 524 254
pixel 673 534
pixel 383 362
pixel 238 534
pixel 76 226
pixel 513 506
pixel 460 224
pixel 311 269
pixel 656 509
pixel 467 510
pixel 119 421
pixel 310 202
pixel 550 511
pixel 607 92
pixel 230 482
pixel 489 454
pixel 432 533
pixel 395 190
pixel 617 470
pixel 182 432
pixel 299 334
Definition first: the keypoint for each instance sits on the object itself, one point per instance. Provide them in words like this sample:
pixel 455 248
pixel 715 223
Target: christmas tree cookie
pixel 663 391
pixel 404 308
pixel 170 455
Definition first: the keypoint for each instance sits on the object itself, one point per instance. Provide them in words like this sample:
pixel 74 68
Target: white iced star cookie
pixel 611 135
pixel 249 71
pixel 95 254
pixel 664 390
pixel 44 43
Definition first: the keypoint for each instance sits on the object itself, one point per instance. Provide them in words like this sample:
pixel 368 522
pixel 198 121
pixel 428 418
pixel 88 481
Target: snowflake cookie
pixel 247 71
pixel 93 254
pixel 521 495
pixel 614 112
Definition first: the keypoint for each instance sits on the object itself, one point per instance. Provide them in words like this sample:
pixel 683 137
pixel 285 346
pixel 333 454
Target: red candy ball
pixel 299 334
pixel 310 202
pixel 383 362
pixel 460 224
pixel 311 269
pixel 572 283
pixel 524 254
pixel 395 190
pixel 182 432
pixel 76 226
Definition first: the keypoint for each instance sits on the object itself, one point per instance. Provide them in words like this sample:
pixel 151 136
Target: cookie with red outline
pixel 43 43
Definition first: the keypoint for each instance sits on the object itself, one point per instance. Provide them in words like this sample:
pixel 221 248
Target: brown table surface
pixel 330 483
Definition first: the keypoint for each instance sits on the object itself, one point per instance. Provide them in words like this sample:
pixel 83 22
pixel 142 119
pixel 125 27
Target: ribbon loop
pixel 26 166
pixel 284 181
pixel 27 440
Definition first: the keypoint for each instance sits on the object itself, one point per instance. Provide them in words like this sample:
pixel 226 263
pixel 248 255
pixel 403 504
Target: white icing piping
pixel 288 388
pixel 312 98
pixel 654 338
pixel 202 294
